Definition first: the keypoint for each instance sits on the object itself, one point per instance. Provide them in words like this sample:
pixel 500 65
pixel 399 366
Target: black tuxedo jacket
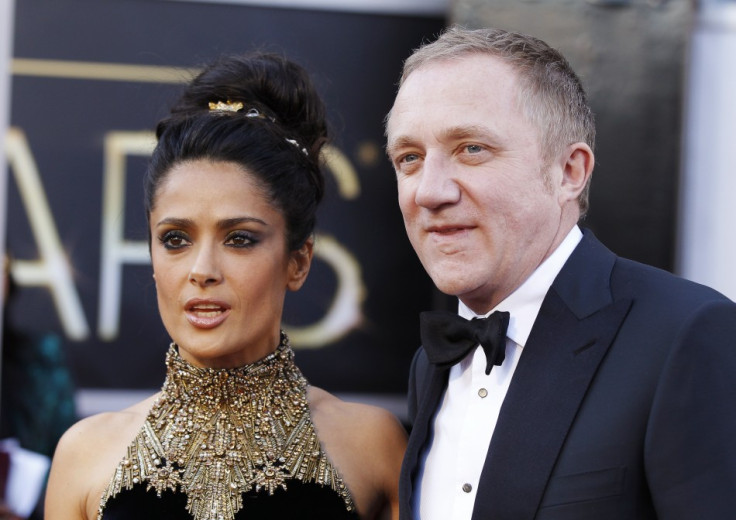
pixel 622 406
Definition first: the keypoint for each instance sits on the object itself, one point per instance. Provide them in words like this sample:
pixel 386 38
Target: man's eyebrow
pixel 466 131
pixel 399 142
pixel 448 134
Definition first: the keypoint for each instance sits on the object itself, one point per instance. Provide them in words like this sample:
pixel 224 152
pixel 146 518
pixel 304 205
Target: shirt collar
pixel 524 303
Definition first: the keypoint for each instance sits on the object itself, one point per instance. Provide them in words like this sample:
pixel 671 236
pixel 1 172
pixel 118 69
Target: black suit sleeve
pixel 690 447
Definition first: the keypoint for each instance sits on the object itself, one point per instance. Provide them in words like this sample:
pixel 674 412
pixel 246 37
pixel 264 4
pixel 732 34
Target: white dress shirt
pixel 450 469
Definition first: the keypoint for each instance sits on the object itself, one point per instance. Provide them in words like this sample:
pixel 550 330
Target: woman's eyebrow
pixel 235 221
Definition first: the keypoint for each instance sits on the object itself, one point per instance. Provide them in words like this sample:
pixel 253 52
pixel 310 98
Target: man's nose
pixel 437 186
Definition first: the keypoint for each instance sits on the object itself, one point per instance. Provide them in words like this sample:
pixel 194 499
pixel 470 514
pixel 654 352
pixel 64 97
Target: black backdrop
pixel 65 119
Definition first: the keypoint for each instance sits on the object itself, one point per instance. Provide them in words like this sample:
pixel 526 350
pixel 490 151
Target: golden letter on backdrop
pixel 344 312
pixel 115 249
pixel 52 269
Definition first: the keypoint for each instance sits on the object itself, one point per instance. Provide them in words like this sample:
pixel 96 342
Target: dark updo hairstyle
pixel 276 136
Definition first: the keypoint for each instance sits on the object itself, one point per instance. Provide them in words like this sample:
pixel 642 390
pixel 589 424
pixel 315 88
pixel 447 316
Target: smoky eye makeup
pixel 241 239
pixel 174 239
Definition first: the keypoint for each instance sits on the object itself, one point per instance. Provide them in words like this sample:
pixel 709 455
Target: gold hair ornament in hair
pixel 237 106
pixel 296 143
pixel 254 112
pixel 226 106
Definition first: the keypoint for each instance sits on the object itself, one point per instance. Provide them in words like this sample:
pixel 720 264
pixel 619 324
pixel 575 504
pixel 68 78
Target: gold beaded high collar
pixel 215 434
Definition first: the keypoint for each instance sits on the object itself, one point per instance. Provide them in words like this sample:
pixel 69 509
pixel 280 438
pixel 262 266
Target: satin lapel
pixel 432 392
pixel 575 327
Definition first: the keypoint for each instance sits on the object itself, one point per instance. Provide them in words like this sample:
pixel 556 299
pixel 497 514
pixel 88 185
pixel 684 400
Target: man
pixel 614 396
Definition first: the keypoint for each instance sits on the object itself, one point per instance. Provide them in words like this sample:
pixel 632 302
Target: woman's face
pixel 221 263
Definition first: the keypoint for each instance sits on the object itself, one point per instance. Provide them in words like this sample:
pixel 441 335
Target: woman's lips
pixel 206 314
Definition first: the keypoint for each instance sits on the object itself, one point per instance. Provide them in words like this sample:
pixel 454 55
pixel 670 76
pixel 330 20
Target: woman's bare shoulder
pixel 347 415
pixel 111 422
pixel 104 430
pixel 366 443
pixel 86 457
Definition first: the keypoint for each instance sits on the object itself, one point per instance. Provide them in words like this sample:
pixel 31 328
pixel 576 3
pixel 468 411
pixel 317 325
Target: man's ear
pixel 576 170
pixel 299 264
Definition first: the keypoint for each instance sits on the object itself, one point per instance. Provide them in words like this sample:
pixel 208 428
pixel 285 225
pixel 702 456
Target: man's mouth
pixel 447 230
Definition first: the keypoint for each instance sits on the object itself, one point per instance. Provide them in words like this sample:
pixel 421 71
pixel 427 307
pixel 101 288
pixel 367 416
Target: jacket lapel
pixel 575 327
pixel 430 391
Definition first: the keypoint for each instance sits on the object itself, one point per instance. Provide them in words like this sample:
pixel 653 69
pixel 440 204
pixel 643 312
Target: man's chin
pixel 449 287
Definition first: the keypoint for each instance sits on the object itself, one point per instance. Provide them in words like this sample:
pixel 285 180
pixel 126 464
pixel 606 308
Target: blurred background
pixel 87 81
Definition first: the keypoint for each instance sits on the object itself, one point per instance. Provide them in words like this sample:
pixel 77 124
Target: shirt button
pixel 482 392
pixel 467 488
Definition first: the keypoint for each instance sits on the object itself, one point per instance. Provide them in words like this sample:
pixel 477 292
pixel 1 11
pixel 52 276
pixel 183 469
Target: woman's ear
pixel 299 264
pixel 576 170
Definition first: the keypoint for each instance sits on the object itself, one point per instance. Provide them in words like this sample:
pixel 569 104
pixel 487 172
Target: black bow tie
pixel 447 338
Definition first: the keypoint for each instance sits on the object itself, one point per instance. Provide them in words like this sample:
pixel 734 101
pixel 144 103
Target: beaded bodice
pixel 214 434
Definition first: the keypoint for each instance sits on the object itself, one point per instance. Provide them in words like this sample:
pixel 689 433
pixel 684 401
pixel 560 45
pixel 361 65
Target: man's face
pixel 480 207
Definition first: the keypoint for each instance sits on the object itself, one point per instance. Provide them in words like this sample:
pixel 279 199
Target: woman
pixel 236 431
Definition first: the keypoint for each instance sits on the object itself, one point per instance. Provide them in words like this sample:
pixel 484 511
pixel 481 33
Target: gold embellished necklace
pixel 215 434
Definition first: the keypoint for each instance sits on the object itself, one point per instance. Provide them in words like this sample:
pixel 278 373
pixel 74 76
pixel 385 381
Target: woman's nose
pixel 205 269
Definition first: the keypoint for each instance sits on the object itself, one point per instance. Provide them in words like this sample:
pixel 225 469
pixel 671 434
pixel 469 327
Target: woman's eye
pixel 174 240
pixel 240 239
